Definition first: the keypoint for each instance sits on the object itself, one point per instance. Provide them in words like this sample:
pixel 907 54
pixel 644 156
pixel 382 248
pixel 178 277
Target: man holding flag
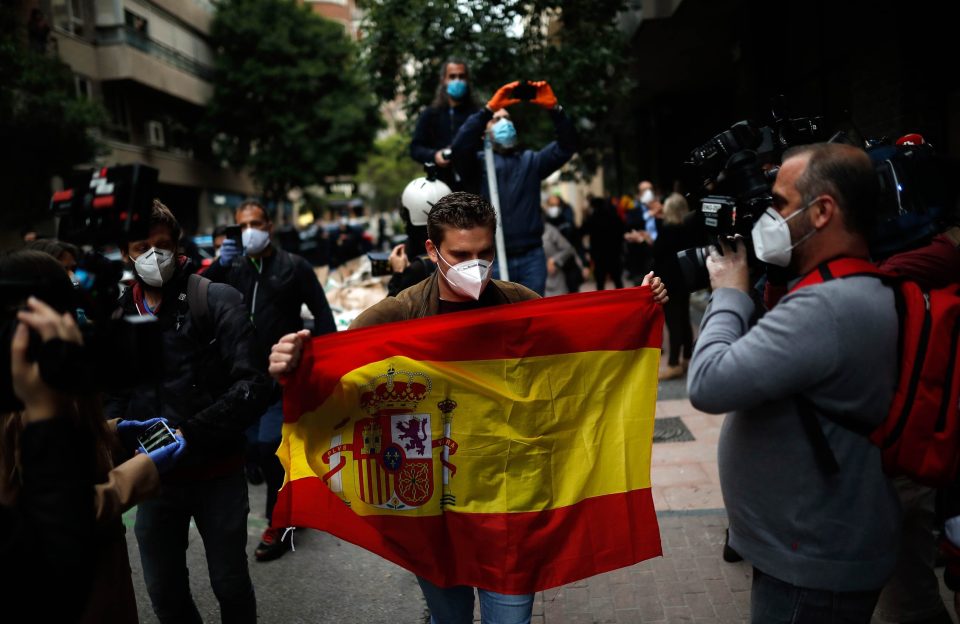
pixel 467 349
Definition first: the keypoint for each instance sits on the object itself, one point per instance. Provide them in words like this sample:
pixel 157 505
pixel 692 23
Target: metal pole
pixel 495 201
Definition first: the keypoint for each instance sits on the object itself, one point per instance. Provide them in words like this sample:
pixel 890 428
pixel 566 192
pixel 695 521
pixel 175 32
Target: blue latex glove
pixel 228 251
pixel 129 430
pixel 166 457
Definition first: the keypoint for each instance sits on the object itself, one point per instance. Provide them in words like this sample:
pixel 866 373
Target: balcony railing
pixel 120 35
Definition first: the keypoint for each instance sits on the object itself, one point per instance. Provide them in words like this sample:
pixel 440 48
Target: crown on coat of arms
pixel 386 393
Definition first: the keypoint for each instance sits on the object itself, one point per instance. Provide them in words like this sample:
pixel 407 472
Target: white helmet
pixel 420 196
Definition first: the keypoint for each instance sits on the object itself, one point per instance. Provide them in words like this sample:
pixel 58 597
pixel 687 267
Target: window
pixel 83 87
pixel 135 22
pixel 68 15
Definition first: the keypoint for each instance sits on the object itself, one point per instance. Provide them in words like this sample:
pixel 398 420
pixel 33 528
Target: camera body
pixel 737 168
pixel 104 207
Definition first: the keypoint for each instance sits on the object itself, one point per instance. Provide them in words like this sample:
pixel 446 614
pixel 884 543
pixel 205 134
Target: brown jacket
pixel 423 299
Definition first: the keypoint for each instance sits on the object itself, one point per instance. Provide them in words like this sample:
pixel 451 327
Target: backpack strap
pixel 839 268
pixel 198 302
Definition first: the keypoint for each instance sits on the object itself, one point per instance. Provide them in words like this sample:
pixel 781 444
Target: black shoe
pixel 729 554
pixel 274 543
pixel 254 474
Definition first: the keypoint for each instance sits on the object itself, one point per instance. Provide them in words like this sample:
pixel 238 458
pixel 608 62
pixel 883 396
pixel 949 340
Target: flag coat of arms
pixel 506 448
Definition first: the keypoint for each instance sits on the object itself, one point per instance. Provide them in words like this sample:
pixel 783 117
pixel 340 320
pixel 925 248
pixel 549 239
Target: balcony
pixel 127 35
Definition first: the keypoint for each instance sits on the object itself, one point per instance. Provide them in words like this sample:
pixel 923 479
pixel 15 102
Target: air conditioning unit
pixel 155 134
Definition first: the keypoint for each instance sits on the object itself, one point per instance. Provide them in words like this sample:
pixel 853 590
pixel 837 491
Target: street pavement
pixel 328 581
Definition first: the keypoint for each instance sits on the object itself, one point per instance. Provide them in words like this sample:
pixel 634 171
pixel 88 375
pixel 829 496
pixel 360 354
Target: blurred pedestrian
pixel 605 230
pixel 275 285
pixel 439 123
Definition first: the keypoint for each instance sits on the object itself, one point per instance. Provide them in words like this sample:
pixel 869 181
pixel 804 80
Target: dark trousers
pixel 272 473
pixel 676 312
pixel 604 267
pixel 773 601
pixel 219 507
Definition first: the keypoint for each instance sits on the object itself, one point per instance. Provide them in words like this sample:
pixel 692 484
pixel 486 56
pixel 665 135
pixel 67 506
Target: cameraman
pixel 275 285
pixel 519 173
pixel 822 543
pixel 214 387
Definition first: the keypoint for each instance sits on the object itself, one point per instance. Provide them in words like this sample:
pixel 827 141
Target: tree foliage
pixel 574 44
pixel 387 171
pixel 289 101
pixel 44 126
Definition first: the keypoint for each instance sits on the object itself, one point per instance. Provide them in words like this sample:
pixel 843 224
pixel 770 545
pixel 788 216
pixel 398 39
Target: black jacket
pixel 214 384
pixel 274 295
pixel 435 130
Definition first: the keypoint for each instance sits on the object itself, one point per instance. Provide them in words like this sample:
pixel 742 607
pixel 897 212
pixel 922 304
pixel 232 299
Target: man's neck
pixel 452 103
pixel 853 249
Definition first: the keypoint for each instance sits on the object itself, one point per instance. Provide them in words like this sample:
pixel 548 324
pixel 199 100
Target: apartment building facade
pixel 149 62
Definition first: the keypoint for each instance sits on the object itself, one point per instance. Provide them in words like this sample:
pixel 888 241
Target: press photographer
pixel 821 547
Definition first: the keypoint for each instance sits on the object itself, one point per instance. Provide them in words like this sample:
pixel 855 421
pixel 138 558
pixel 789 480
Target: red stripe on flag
pixel 513 553
pixel 611 320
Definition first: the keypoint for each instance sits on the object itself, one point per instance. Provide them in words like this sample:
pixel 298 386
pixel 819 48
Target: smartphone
pixel 379 263
pixel 525 91
pixel 156 436
pixel 235 233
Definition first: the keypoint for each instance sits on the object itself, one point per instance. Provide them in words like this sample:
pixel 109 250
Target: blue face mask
pixel 504 133
pixel 457 89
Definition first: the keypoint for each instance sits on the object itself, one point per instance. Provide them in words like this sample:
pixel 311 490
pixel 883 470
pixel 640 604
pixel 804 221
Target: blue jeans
pixel 454 605
pixel 528 268
pixel 219 507
pixel 773 601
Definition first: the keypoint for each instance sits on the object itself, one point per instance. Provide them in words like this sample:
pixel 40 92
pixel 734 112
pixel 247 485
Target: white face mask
pixel 254 240
pixel 155 266
pixel 646 197
pixel 771 237
pixel 553 211
pixel 467 278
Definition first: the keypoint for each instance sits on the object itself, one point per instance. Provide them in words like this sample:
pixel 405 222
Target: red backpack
pixel 920 437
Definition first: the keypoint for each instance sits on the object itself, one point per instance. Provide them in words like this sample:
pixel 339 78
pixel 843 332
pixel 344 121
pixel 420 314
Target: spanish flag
pixel 506 448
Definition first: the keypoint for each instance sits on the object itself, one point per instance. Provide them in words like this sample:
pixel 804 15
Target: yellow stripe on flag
pixel 531 434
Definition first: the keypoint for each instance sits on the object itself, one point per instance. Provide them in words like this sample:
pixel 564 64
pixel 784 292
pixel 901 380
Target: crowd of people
pixel 824 546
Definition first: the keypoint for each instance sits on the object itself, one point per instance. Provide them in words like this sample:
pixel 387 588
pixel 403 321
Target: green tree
pixel 289 99
pixel 576 45
pixel 387 171
pixel 44 126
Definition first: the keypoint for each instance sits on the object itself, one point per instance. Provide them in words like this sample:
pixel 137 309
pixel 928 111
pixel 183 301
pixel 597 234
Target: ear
pixel 432 251
pixel 825 211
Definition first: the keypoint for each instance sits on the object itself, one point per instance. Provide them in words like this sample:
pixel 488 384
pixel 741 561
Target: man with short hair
pixel 275 285
pixel 519 173
pixel 822 542
pixel 213 388
pixel 439 122
pixel 461 229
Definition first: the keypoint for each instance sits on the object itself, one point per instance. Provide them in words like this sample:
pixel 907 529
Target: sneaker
pixel 273 544
pixel 729 554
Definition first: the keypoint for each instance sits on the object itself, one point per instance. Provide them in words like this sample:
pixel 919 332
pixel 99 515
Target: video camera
pixel 103 207
pixel 737 168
